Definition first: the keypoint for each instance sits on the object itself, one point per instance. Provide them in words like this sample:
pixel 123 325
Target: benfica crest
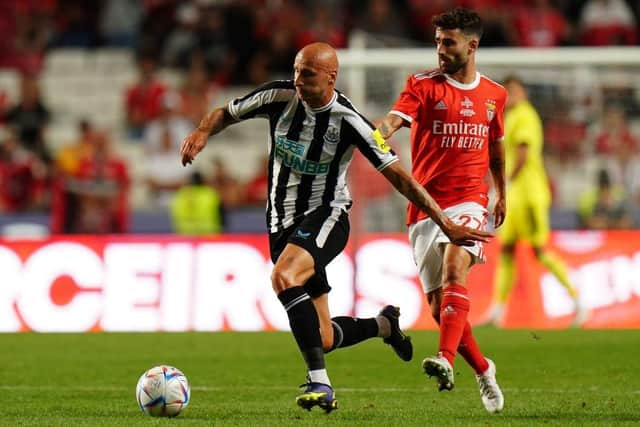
pixel 490 104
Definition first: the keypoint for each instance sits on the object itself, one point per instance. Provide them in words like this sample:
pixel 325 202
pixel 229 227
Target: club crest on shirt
pixel 490 104
pixel 332 136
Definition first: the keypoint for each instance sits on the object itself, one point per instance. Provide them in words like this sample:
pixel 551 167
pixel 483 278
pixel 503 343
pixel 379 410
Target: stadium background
pixel 112 259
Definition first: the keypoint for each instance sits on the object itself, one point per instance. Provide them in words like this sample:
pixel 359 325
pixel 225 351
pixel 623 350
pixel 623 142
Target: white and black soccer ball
pixel 163 391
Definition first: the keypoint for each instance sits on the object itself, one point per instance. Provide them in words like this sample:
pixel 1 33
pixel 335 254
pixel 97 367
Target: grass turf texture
pixel 564 378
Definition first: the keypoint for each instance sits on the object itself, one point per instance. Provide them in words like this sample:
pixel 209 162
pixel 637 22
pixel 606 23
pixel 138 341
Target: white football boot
pixel 490 392
pixel 438 366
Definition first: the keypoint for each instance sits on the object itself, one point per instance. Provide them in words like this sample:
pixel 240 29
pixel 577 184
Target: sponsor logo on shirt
pixel 470 136
pixel 467 110
pixel 290 154
pixel 440 105
pixel 460 128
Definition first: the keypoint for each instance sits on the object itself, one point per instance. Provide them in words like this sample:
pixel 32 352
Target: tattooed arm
pixel 389 125
pixel 398 176
pixel 212 123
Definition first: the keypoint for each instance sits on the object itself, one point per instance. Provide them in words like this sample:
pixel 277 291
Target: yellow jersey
pixel 523 126
pixel 195 210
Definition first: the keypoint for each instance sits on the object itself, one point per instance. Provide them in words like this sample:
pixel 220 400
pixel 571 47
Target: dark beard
pixel 452 67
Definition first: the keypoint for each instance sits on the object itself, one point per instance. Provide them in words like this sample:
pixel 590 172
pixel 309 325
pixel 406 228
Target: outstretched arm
pixel 416 193
pixel 389 125
pixel 211 124
pixel 496 165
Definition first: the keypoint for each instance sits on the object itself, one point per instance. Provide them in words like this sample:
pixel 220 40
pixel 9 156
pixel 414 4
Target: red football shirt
pixel 452 125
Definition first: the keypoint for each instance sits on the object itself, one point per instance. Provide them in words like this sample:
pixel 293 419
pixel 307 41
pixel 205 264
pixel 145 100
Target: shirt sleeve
pixel 261 101
pixel 408 103
pixel 376 150
pixel 522 132
pixel 526 129
pixel 496 129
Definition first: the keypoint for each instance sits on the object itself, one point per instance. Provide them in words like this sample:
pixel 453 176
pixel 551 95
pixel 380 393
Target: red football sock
pixel 453 317
pixel 469 349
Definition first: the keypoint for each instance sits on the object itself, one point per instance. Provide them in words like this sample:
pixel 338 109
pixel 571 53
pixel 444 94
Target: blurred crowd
pixel 217 43
pixel 244 41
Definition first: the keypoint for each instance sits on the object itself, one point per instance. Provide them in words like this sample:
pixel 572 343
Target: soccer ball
pixel 163 391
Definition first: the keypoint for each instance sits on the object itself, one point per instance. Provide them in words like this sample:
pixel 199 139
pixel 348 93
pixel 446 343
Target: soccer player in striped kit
pixel 456 119
pixel 314 130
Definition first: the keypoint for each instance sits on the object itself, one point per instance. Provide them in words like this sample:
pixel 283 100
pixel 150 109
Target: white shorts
pixel 428 242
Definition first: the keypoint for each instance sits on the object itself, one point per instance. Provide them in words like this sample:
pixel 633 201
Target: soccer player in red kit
pixel 456 119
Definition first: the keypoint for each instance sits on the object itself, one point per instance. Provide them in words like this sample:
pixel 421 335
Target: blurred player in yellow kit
pixel 528 199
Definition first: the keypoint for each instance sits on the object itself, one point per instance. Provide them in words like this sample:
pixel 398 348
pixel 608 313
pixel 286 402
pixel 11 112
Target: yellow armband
pixel 382 143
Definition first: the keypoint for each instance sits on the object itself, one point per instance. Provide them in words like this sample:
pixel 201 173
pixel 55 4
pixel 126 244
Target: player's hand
pixel 499 212
pixel 465 236
pixel 192 145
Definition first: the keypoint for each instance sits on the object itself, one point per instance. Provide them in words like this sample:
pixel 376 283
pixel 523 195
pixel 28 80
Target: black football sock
pixel 305 325
pixel 348 331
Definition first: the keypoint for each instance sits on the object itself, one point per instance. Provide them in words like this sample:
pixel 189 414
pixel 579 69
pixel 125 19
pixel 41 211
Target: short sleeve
pixel 376 150
pixel 407 106
pixel 259 102
pixel 526 129
pixel 522 133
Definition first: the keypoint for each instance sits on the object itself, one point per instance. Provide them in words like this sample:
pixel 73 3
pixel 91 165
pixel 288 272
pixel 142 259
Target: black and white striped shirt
pixel 310 149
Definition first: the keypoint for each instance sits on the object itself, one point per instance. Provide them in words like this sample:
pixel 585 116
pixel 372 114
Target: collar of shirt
pixel 463 86
pixel 324 107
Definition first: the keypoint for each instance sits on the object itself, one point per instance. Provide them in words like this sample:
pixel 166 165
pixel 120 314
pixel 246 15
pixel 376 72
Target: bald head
pixel 319 55
pixel 315 71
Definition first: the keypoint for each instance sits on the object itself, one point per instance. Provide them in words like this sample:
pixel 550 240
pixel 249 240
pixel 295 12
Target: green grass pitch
pixel 563 378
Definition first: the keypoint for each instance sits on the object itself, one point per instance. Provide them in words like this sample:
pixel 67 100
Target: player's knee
pixel 281 279
pixel 452 277
pixel 453 272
